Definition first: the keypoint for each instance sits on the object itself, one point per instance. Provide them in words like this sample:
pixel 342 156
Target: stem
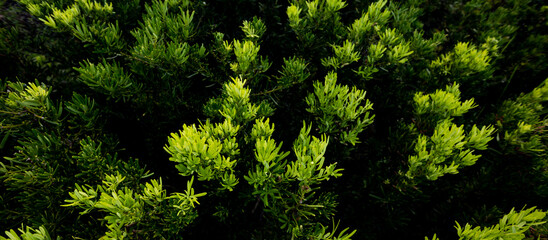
pixel 8 112
pixel 508 83
pixel 11 126
pixel 274 90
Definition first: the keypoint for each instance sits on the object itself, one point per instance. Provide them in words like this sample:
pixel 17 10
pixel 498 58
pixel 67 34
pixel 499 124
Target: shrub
pixel 404 117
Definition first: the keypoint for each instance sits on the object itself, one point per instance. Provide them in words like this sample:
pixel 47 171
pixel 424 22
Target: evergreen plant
pixel 166 119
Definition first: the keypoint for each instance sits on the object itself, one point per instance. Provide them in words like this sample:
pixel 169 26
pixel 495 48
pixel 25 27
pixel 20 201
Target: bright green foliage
pixel 369 37
pixel 465 59
pixel 383 45
pixel 309 168
pixel 309 19
pixel 254 30
pixel 343 235
pixel 48 158
pixel 294 207
pixel 372 30
pixel 438 106
pixel 405 16
pixel 161 46
pixel 399 53
pixel 248 63
pixel 28 104
pixel 398 50
pixel 246 54
pixel 125 73
pixel 340 112
pixel 67 17
pixel 29 96
pixel 103 36
pixel 27 233
pixel 524 121
pixel 344 55
pixel 285 188
pixel 163 39
pixel 513 226
pixel 448 148
pixel 111 79
pixel 235 106
pixel 271 167
pixel 426 48
pixel 42 167
pixel 528 138
pixel 135 214
pixel 262 129
pixel 293 13
pixel 222 50
pixel 209 151
pixel 374 19
pixel 293 72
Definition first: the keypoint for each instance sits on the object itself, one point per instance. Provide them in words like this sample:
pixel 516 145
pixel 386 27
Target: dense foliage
pixel 166 119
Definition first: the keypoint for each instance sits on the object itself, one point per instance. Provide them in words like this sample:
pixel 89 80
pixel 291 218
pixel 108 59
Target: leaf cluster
pixel 448 148
pixel 341 112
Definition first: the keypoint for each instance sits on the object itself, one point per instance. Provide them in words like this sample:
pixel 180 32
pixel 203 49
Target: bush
pixel 404 117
